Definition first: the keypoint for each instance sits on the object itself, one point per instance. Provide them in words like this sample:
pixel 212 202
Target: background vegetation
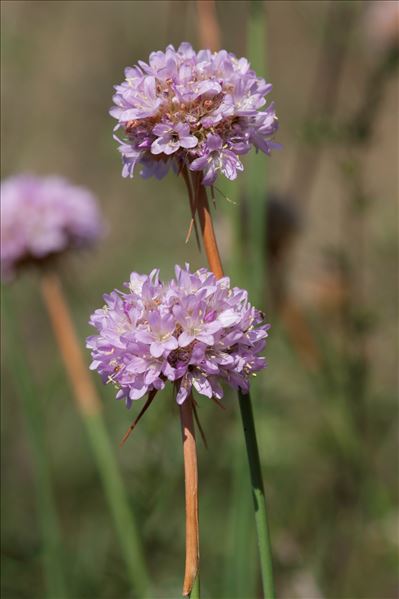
pixel 326 408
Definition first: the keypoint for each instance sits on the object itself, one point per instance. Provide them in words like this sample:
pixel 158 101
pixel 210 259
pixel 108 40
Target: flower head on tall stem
pixel 42 217
pixel 193 330
pixel 199 109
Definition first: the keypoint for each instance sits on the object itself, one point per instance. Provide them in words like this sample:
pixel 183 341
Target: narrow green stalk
pixel 249 248
pixel 114 489
pixel 241 563
pixel 195 591
pixel 258 494
pixel 240 567
pixel 46 506
pixel 256 194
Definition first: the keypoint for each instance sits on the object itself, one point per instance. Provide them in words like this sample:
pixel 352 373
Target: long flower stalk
pixel 89 407
pixel 239 571
pixel 46 505
pixel 199 199
pixel 208 27
pixel 191 575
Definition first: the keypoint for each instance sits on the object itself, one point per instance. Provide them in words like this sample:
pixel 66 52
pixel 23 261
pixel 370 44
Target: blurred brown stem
pixel 208 27
pixel 84 390
pixel 191 489
pixel 300 333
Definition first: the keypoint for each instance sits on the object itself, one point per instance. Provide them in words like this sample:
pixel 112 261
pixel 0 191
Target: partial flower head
pixel 381 22
pixel 194 330
pixel 42 217
pixel 199 109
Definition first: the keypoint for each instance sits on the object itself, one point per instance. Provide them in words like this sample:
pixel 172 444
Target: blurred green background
pixel 326 408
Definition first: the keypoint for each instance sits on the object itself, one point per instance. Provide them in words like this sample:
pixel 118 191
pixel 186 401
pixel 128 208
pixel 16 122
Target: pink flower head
pixel 194 330
pixel 172 110
pixel 42 217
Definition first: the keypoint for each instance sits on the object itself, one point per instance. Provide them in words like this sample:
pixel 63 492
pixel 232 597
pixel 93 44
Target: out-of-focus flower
pixel 193 330
pixel 382 23
pixel 42 217
pixel 200 109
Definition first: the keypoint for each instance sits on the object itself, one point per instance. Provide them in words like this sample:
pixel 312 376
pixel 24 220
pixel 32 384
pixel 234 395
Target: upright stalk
pixel 45 500
pixel 195 591
pixel 208 233
pixel 191 575
pixel 84 390
pixel 199 199
pixel 240 567
pixel 208 27
pixel 90 409
pixel 258 493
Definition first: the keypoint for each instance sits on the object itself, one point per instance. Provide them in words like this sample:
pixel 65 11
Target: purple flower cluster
pixel 193 330
pixel 199 109
pixel 41 217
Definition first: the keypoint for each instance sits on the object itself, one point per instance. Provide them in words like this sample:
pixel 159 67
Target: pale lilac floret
pixel 171 138
pixel 217 159
pixel 44 216
pixel 194 331
pixel 174 107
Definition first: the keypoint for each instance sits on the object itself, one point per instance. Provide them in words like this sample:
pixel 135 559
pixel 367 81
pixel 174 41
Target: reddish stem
pixel 84 390
pixel 208 27
pixel 208 233
pixel 199 205
pixel 191 489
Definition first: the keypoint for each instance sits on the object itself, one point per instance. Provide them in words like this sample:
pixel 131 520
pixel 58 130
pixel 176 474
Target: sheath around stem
pixel 191 489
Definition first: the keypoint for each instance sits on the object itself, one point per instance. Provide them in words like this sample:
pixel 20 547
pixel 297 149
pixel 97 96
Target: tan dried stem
pixel 208 27
pixel 207 230
pixel 191 491
pixel 84 391
pixel 199 205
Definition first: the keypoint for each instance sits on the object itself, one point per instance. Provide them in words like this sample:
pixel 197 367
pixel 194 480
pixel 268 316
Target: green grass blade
pixel 250 250
pixel 114 488
pixel 93 419
pixel 258 493
pixel 241 566
pixel 46 506
pixel 239 579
